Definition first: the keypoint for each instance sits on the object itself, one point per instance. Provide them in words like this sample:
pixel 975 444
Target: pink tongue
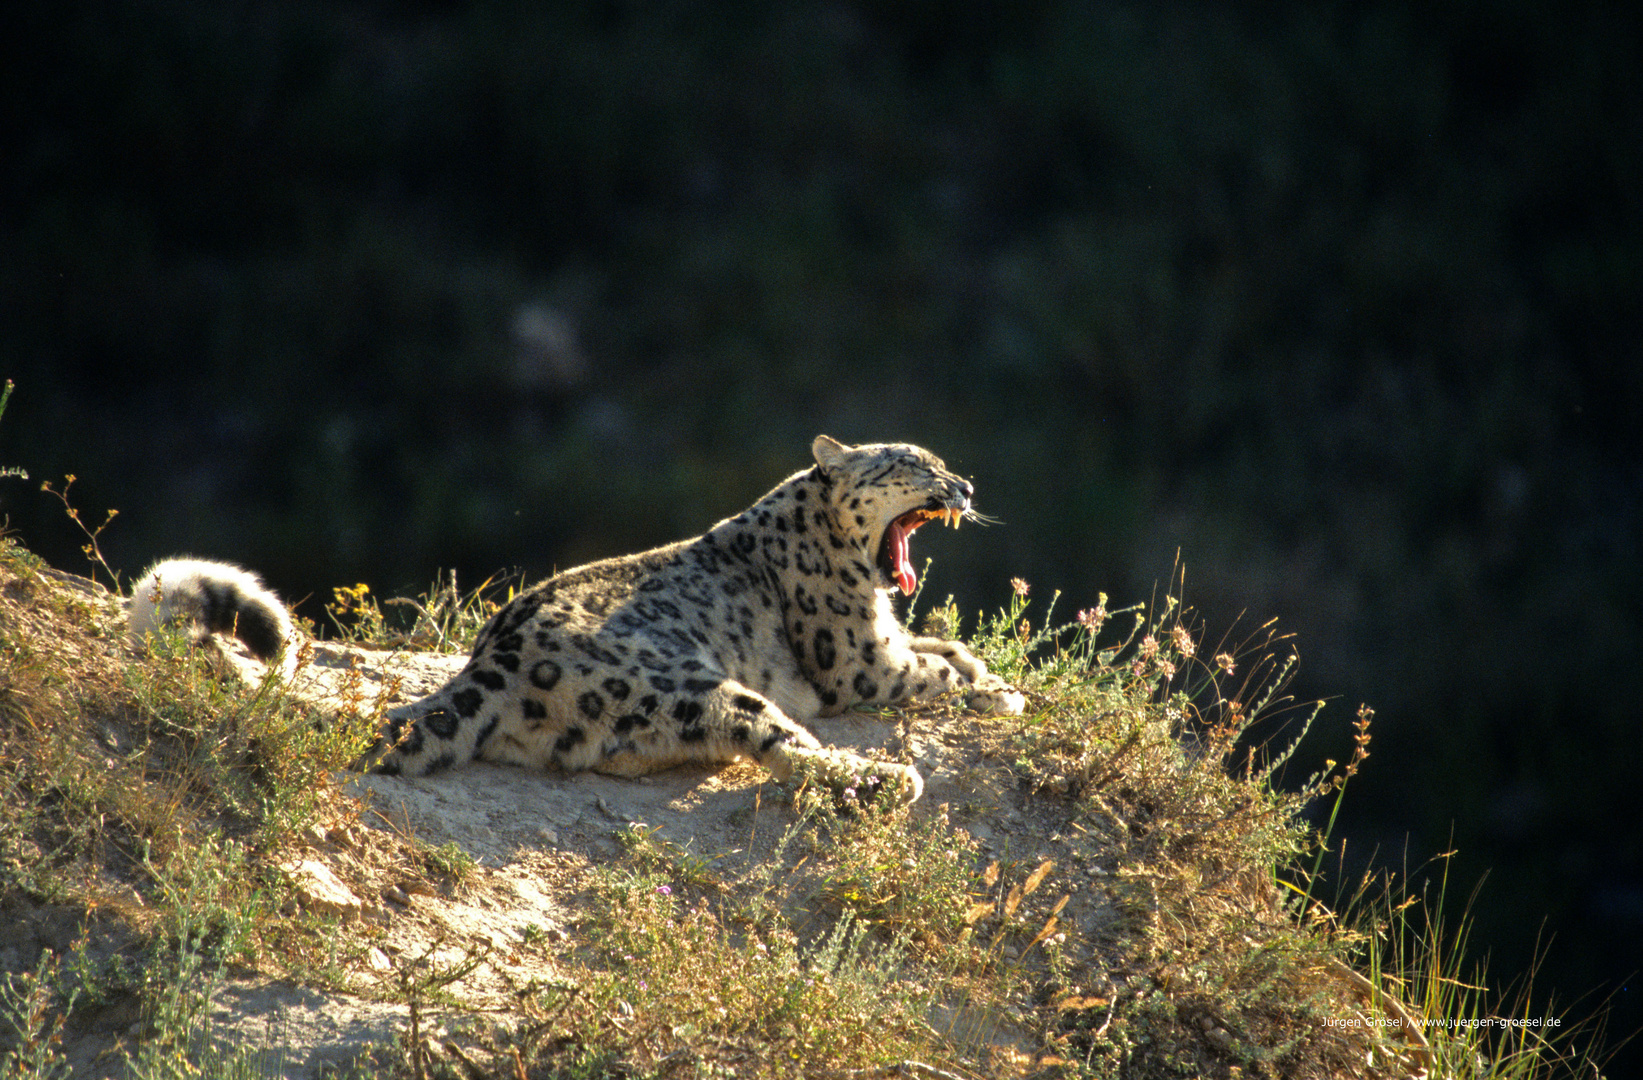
pixel 900 557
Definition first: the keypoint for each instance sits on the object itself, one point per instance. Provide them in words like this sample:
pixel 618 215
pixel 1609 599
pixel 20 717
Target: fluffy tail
pixel 210 598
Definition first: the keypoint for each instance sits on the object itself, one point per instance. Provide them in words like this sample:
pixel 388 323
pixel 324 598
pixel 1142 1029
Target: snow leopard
pixel 712 649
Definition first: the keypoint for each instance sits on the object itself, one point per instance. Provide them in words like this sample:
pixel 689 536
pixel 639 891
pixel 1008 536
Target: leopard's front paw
pixel 992 696
pixel 884 778
pixel 855 779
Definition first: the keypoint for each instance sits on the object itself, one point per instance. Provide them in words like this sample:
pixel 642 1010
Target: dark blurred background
pixel 1340 301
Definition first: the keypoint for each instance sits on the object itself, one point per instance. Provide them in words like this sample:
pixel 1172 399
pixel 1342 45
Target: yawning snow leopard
pixel 719 647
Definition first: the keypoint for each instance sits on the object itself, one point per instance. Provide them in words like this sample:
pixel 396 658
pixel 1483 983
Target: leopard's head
pixel 879 493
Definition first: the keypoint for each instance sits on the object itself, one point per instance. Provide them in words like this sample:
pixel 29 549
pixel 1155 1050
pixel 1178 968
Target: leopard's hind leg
pixel 729 722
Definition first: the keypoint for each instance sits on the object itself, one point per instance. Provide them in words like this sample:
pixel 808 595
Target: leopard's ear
pixel 829 452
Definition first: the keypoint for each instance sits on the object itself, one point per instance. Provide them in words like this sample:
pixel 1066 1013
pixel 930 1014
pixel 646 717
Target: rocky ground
pixel 1080 830
pixel 532 837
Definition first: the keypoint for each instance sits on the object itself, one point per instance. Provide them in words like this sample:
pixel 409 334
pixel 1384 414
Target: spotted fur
pixel 209 599
pixel 715 648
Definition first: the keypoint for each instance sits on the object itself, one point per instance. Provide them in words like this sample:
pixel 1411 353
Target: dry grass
pixel 1103 901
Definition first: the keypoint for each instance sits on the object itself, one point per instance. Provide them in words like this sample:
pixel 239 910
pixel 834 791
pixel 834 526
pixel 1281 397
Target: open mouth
pixel 895 558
